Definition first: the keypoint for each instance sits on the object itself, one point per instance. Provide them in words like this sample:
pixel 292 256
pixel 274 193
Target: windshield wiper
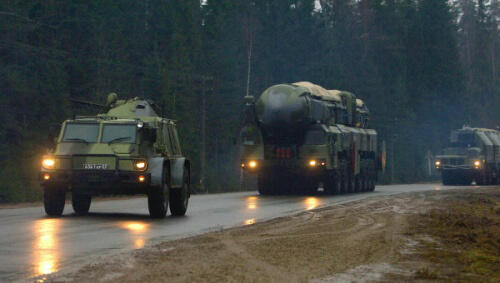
pixel 77 139
pixel 119 139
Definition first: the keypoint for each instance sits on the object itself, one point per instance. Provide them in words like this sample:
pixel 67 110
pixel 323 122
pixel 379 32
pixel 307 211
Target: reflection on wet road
pixel 138 231
pixel 33 246
pixel 45 246
pixel 311 203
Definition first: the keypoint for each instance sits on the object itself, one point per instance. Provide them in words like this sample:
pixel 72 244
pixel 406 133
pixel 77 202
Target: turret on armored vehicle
pixel 298 137
pixel 127 150
pixel 473 155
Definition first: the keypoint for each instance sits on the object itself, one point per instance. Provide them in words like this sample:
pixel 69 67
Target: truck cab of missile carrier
pixel 128 150
pixel 472 154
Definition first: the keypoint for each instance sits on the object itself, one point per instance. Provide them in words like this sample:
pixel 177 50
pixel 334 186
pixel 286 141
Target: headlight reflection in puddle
pixel 137 230
pixel 249 221
pixel 251 202
pixel 311 203
pixel 45 247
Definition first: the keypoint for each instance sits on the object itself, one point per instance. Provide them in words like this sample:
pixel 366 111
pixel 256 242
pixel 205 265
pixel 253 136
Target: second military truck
pixel 300 137
pixel 127 150
pixel 473 155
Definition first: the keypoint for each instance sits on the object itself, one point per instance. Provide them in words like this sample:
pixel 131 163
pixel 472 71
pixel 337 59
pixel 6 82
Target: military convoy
pixel 300 138
pixel 473 155
pixel 129 149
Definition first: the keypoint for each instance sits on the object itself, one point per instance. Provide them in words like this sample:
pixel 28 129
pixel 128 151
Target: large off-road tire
pixel 358 184
pixel 333 184
pixel 371 184
pixel 179 198
pixel 351 184
pixel 364 183
pixel 53 201
pixel 344 187
pixel 158 199
pixel 81 203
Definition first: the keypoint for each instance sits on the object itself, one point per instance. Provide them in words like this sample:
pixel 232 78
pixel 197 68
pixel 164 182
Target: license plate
pixel 92 166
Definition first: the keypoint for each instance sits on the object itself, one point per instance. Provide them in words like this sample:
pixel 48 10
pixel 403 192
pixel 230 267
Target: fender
pixel 177 171
pixel 155 168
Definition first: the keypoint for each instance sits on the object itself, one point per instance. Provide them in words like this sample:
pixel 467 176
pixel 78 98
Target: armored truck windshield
pixel 75 132
pixel 119 133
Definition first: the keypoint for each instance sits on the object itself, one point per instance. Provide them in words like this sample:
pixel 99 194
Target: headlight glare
pixel 48 163
pixel 140 165
pixel 252 164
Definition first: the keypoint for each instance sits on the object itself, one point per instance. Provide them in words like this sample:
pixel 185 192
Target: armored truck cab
pixel 298 137
pixel 127 150
pixel 473 155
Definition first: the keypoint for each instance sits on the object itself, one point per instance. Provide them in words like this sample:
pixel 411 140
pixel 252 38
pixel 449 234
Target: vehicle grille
pixel 453 161
pixel 280 152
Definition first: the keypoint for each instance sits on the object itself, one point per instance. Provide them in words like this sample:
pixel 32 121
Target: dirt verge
pixel 378 239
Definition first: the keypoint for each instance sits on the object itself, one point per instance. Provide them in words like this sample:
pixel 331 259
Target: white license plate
pixel 91 166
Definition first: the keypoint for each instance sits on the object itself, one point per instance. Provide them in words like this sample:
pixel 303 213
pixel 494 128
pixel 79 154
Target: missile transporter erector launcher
pixel 298 137
pixel 127 150
pixel 473 155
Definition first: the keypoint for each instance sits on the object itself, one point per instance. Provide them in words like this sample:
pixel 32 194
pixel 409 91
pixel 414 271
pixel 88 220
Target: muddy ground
pixel 378 239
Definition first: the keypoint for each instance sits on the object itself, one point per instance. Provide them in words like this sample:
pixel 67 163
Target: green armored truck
pixel 301 137
pixel 127 150
pixel 473 155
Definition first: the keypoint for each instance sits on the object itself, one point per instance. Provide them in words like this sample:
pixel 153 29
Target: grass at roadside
pixel 467 233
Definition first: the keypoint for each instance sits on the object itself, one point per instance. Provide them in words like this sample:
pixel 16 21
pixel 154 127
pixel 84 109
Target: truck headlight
pixel 313 163
pixel 437 163
pixel 252 164
pixel 140 165
pixel 477 163
pixel 48 162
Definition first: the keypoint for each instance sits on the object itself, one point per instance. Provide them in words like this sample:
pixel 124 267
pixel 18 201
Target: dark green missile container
pixel 302 138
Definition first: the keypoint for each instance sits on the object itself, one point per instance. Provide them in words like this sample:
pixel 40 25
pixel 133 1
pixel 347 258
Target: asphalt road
pixel 33 246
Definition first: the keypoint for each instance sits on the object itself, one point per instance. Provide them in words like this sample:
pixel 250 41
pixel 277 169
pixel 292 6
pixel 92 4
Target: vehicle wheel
pixel 53 201
pixel 343 184
pixel 364 184
pixel 81 203
pixel 179 198
pixel 351 184
pixel 358 185
pixel 333 184
pixel 158 199
pixel 371 184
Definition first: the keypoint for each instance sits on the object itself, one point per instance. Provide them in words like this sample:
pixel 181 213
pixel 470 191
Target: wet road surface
pixel 32 245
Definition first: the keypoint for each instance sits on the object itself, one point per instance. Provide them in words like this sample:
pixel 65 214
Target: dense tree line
pixel 422 66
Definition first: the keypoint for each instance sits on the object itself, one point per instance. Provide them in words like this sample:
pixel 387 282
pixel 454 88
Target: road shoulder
pixel 376 239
